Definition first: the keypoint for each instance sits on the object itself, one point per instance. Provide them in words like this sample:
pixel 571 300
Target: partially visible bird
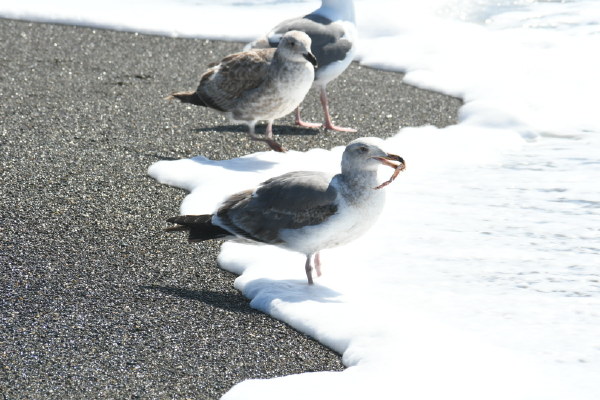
pixel 333 32
pixel 303 211
pixel 261 84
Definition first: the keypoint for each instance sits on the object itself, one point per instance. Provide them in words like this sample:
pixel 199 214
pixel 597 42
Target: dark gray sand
pixel 96 301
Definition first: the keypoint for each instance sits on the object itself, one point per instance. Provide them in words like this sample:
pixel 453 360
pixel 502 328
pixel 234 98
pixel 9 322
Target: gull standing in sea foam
pixel 333 32
pixel 261 84
pixel 303 211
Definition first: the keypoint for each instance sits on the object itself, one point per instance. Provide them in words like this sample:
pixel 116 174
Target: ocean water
pixel 482 277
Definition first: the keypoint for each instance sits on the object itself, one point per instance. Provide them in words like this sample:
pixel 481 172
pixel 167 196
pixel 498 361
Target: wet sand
pixel 96 301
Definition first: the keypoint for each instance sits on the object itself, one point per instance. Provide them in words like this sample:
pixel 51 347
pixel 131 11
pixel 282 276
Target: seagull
pixel 303 211
pixel 332 29
pixel 261 84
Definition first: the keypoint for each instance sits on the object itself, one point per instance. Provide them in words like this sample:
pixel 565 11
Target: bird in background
pixel 258 84
pixel 332 28
pixel 303 211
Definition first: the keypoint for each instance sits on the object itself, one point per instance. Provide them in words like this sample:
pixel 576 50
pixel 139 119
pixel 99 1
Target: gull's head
pixel 366 154
pixel 295 46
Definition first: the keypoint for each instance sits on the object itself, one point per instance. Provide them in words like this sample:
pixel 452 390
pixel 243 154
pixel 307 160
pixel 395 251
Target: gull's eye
pixel 362 149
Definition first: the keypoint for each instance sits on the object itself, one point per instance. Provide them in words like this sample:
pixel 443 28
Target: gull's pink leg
pixel 318 263
pixel 269 139
pixel 328 123
pixel 299 121
pixel 308 268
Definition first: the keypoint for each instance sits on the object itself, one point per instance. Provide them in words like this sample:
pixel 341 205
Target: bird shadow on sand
pixel 262 291
pixel 248 163
pixel 227 301
pixel 265 290
pixel 283 130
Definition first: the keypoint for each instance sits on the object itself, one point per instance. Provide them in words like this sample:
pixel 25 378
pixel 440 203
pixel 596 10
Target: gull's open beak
pixel 388 158
pixel 311 58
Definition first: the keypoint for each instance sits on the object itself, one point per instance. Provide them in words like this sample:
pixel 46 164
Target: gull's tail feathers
pixel 188 97
pixel 200 227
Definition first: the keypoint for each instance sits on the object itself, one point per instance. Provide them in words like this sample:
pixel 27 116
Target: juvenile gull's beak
pixel 311 58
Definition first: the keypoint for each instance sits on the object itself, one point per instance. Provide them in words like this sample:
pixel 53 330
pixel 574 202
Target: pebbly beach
pixel 96 301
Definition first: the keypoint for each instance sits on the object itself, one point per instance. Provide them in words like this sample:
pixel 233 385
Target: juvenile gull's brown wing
pixel 223 84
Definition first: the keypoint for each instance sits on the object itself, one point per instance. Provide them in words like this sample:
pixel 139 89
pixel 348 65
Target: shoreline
pixel 97 301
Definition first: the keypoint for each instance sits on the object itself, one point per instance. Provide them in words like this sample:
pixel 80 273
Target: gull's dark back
pixel 290 201
pixel 328 44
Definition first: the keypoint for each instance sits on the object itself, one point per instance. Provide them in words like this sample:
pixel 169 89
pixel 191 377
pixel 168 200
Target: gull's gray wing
pixel 289 201
pixel 328 42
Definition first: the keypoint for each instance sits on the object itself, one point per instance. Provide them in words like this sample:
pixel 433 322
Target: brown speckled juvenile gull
pixel 302 211
pixel 333 32
pixel 255 85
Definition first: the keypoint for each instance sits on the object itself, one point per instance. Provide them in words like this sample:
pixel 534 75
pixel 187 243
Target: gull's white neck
pixel 358 185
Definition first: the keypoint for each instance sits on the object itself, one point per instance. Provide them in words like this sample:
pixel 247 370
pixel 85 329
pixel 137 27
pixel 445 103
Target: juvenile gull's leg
pixel 328 123
pixel 269 139
pixel 308 268
pixel 269 130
